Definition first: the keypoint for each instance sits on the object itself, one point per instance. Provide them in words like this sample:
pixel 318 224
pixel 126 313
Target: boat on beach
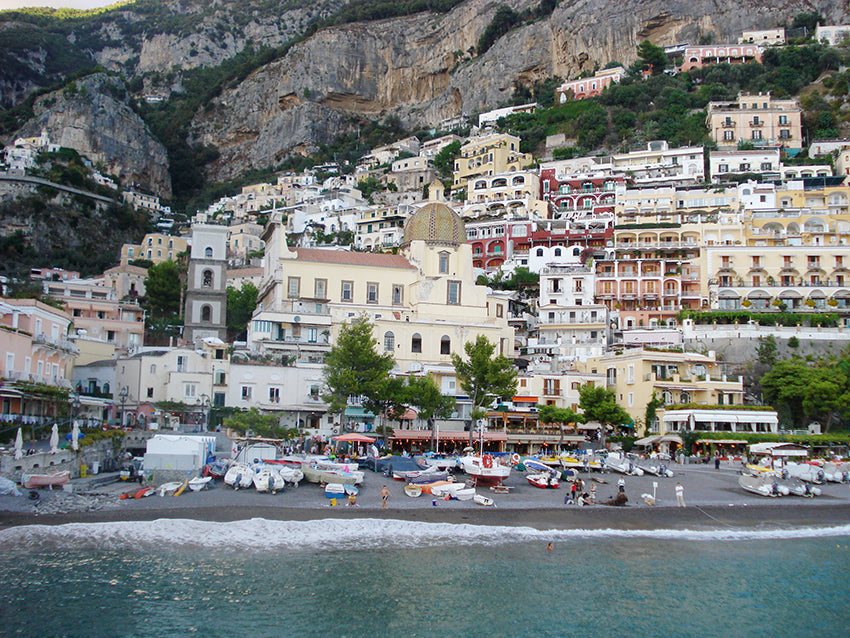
pixel 486 501
pixel 763 485
pixel 239 475
pixel 413 490
pixel 267 480
pixel 485 470
pixel 31 481
pixel 315 475
pixel 543 480
pixel 199 482
pixel 170 488
pixel 340 490
pixel 217 469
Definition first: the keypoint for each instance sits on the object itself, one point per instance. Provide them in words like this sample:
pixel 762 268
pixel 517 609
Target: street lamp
pixel 204 402
pixel 75 406
pixel 125 391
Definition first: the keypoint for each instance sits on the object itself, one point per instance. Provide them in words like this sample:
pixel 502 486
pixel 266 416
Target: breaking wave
pixel 259 534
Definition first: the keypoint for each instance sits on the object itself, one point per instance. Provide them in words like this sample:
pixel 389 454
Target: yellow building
pixel 674 377
pixel 424 302
pixel 757 119
pixel 155 247
pixel 489 155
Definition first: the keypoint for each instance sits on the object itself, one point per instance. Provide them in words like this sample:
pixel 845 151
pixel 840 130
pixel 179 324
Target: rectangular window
pixel 453 297
pixel 347 291
pixel 321 288
pixel 371 292
pixel 247 392
pixel 500 310
pixel 274 395
pixel 398 295
pixel 150 393
pixel 190 390
pixel 181 364
pixel 444 263
pixel 293 287
pixel 728 136
pixel 757 134
pixel 784 134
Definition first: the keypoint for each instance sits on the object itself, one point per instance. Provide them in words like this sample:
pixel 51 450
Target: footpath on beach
pixel 712 496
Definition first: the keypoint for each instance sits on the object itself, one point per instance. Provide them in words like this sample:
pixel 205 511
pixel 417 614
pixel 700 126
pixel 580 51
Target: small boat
pixel 267 480
pixel 31 481
pixel 340 490
pixel 801 488
pixel 658 470
pixel 316 475
pixel 198 483
pixel 836 472
pixel 427 477
pixel 485 470
pixel 804 472
pixel 543 480
pixel 427 488
pixel 760 470
pixel 486 501
pixel 182 488
pixel 762 485
pixel 413 490
pixel 623 466
pixel 139 492
pixel 291 475
pixel 217 469
pixel 239 475
pixel 170 488
pixel 453 490
pixel 465 494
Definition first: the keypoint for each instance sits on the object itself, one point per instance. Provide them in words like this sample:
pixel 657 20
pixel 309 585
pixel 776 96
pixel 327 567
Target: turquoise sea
pixel 392 578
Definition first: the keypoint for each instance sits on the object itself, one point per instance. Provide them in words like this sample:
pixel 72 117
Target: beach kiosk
pixel 778 453
pixel 181 452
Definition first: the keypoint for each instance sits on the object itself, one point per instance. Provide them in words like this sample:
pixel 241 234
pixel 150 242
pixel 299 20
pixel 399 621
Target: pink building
pixel 35 351
pixel 698 56
pixel 590 87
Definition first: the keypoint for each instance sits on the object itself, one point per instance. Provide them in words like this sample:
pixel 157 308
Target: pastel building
pixel 696 57
pixel 155 247
pixel 761 120
pixel 589 87
pixel 489 155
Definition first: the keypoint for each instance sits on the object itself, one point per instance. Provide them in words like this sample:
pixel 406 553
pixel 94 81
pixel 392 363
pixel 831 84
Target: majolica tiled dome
pixel 435 222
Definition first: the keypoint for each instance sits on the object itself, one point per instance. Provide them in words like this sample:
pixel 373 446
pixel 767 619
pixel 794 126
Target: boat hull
pixel 31 481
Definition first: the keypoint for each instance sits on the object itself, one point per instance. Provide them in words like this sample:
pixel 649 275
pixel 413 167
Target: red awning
pixel 524 399
pixel 449 435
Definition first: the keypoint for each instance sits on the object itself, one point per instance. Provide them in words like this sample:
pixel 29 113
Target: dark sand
pixel 713 498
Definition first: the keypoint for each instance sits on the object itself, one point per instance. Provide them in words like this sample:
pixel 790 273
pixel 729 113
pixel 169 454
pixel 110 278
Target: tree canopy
pixel 353 368
pixel 601 405
pixel 484 376
pixel 256 424
pixel 163 290
pixel 240 306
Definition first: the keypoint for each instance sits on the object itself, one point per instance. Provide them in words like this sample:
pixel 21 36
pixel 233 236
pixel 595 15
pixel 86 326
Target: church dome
pixel 435 222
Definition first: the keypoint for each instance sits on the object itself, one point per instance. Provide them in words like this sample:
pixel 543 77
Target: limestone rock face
pixel 94 119
pixel 421 68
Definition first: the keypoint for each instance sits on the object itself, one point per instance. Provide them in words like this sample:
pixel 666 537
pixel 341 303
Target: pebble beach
pixel 713 500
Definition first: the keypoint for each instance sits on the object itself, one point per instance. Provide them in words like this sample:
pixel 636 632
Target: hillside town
pixel 657 274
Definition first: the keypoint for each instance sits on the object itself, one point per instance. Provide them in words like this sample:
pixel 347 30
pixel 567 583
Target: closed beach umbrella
pixel 54 439
pixel 19 445
pixel 75 434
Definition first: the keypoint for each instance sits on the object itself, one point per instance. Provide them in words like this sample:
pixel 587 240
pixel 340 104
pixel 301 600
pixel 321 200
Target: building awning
pixel 524 399
pixel 549 439
pixel 648 440
pixel 722 441
pixel 779 449
pixel 361 412
pixel 446 435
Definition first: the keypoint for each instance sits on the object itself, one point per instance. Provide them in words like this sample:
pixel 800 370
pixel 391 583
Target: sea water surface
pixel 393 578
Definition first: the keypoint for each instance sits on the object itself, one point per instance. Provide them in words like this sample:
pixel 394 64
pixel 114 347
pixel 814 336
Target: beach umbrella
pixel 19 445
pixel 353 437
pixel 75 435
pixel 54 439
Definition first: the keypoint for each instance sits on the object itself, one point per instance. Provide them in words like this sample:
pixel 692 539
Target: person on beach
pixel 573 492
pixel 716 462
pixel 593 493
pixel 385 495
pixel 680 495
pixel 621 485
pixel 550 546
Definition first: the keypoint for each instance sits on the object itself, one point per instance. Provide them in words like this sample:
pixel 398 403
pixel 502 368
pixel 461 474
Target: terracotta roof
pixel 352 258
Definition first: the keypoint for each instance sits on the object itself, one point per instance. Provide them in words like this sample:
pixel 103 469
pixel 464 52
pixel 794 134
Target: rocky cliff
pixel 421 68
pixel 93 117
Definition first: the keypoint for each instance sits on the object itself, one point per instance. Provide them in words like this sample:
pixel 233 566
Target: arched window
pixel 539 252
pixel 416 343
pixel 445 345
pixel 105 388
pixel 206 313
pixel 208 278
pixel 389 342
pixel 557 252
pixel 684 398
pixel 208 252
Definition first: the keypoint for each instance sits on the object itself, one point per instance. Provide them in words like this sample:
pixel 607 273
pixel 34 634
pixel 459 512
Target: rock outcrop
pixel 420 67
pixel 92 116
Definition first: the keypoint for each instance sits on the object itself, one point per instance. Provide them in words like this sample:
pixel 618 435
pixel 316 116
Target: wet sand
pixel 714 500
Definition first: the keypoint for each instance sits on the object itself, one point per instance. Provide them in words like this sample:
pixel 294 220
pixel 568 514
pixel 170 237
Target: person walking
pixel 385 495
pixel 716 462
pixel 680 495
pixel 621 485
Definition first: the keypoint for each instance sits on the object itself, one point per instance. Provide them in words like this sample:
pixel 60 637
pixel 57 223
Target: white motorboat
pixel 802 488
pixel 340 490
pixel 485 470
pixel 763 485
pixel 239 475
pixel 170 488
pixel 268 480
pixel 623 465
pixel 804 472
pixel 658 470
pixel 291 475
pixel 486 501
pixel 315 475
pixel 836 472
pixel 199 482
pixel 453 490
